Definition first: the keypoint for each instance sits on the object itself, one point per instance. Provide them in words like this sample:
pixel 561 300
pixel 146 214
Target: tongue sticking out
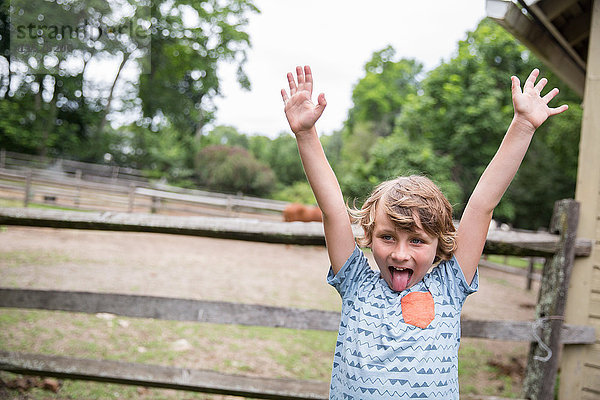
pixel 400 279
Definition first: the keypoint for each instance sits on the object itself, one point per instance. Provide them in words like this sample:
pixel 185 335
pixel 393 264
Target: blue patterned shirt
pixel 378 355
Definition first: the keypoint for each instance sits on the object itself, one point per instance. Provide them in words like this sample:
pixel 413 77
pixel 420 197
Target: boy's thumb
pixel 321 103
pixel 515 85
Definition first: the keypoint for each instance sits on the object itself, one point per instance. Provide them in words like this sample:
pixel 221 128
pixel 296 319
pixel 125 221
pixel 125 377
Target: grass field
pixel 255 351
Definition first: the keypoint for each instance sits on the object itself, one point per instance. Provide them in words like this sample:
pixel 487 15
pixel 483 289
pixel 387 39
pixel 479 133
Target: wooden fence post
pixel 154 205
pixel 78 195
pixel 131 197
pixel 115 172
pixel 530 272
pixel 27 195
pixel 542 364
pixel 229 207
pixel 2 158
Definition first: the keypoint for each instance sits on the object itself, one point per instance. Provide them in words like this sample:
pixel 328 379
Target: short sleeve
pixel 451 276
pixel 355 270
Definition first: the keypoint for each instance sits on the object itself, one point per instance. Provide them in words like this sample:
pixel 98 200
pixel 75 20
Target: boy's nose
pixel 401 252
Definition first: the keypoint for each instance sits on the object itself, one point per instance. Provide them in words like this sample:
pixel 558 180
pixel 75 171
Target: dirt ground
pixel 208 269
pixel 212 269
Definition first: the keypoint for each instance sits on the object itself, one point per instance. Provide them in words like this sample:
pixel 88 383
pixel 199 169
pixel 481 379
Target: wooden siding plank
pixel 587 193
pixel 594 322
pixel 591 378
pixel 595 305
pixel 596 277
pixel 589 395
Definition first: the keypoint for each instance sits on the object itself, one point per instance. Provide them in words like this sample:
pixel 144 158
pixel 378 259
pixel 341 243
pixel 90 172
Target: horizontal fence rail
pixel 509 269
pixel 172 377
pixel 305 233
pixel 105 194
pixel 205 381
pixel 19 161
pixel 498 242
pixel 229 201
pixel 218 312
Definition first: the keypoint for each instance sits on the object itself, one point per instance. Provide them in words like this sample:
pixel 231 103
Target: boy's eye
pixel 417 241
pixel 386 237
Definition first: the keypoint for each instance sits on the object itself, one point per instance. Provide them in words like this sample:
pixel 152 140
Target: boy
pixel 400 327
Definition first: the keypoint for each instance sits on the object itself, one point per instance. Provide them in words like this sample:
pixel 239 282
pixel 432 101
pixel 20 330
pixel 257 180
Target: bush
pixel 233 169
pixel 299 192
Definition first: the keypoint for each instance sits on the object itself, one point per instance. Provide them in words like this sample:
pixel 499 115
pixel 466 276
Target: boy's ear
pixel 438 256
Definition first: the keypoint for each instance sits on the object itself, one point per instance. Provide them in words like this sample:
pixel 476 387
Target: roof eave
pixel 540 41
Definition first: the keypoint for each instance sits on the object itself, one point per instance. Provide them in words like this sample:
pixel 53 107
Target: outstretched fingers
pixel 300 75
pixel 554 110
pixel 550 95
pixel 303 81
pixel 308 78
pixel 540 85
pixel 516 86
pixel 530 82
pixel 558 110
pixel 292 84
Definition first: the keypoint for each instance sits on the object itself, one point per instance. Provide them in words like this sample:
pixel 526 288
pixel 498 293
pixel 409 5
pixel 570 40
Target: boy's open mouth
pixel 400 277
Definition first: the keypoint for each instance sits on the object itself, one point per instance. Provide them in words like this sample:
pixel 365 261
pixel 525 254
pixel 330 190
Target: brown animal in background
pixel 300 212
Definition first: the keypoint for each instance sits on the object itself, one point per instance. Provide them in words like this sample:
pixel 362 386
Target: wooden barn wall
pixel 580 366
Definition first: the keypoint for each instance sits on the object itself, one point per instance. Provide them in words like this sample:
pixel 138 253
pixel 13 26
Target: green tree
pixel 163 153
pixel 182 81
pixel 449 123
pixel 298 192
pixel 549 171
pixel 233 169
pixel 59 112
pixel 332 145
pixel 379 96
pixel 466 104
pixel 465 109
pixel 281 154
pixel 225 135
pixel 398 155
pixel 284 159
pixel 59 119
pixel 378 99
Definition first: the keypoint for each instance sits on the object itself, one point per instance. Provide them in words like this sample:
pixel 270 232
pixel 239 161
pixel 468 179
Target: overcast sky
pixel 336 38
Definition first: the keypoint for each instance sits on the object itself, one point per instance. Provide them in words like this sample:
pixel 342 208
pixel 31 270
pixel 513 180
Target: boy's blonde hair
pixel 404 199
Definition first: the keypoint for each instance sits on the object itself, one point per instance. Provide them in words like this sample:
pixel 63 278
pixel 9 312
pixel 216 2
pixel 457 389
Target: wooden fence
pixel 86 171
pixel 57 188
pixel 529 273
pixel 84 186
pixel 561 249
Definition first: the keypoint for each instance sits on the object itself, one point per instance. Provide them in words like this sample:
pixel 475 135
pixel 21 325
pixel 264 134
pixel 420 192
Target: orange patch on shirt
pixel 418 309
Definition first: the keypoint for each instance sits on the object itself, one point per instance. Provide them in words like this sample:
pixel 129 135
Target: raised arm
pixel 530 111
pixel 302 114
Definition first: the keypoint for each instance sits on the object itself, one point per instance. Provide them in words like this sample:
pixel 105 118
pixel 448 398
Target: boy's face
pixel 403 256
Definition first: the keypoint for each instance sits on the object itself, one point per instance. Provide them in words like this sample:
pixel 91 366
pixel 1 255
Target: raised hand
pixel 300 111
pixel 529 105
